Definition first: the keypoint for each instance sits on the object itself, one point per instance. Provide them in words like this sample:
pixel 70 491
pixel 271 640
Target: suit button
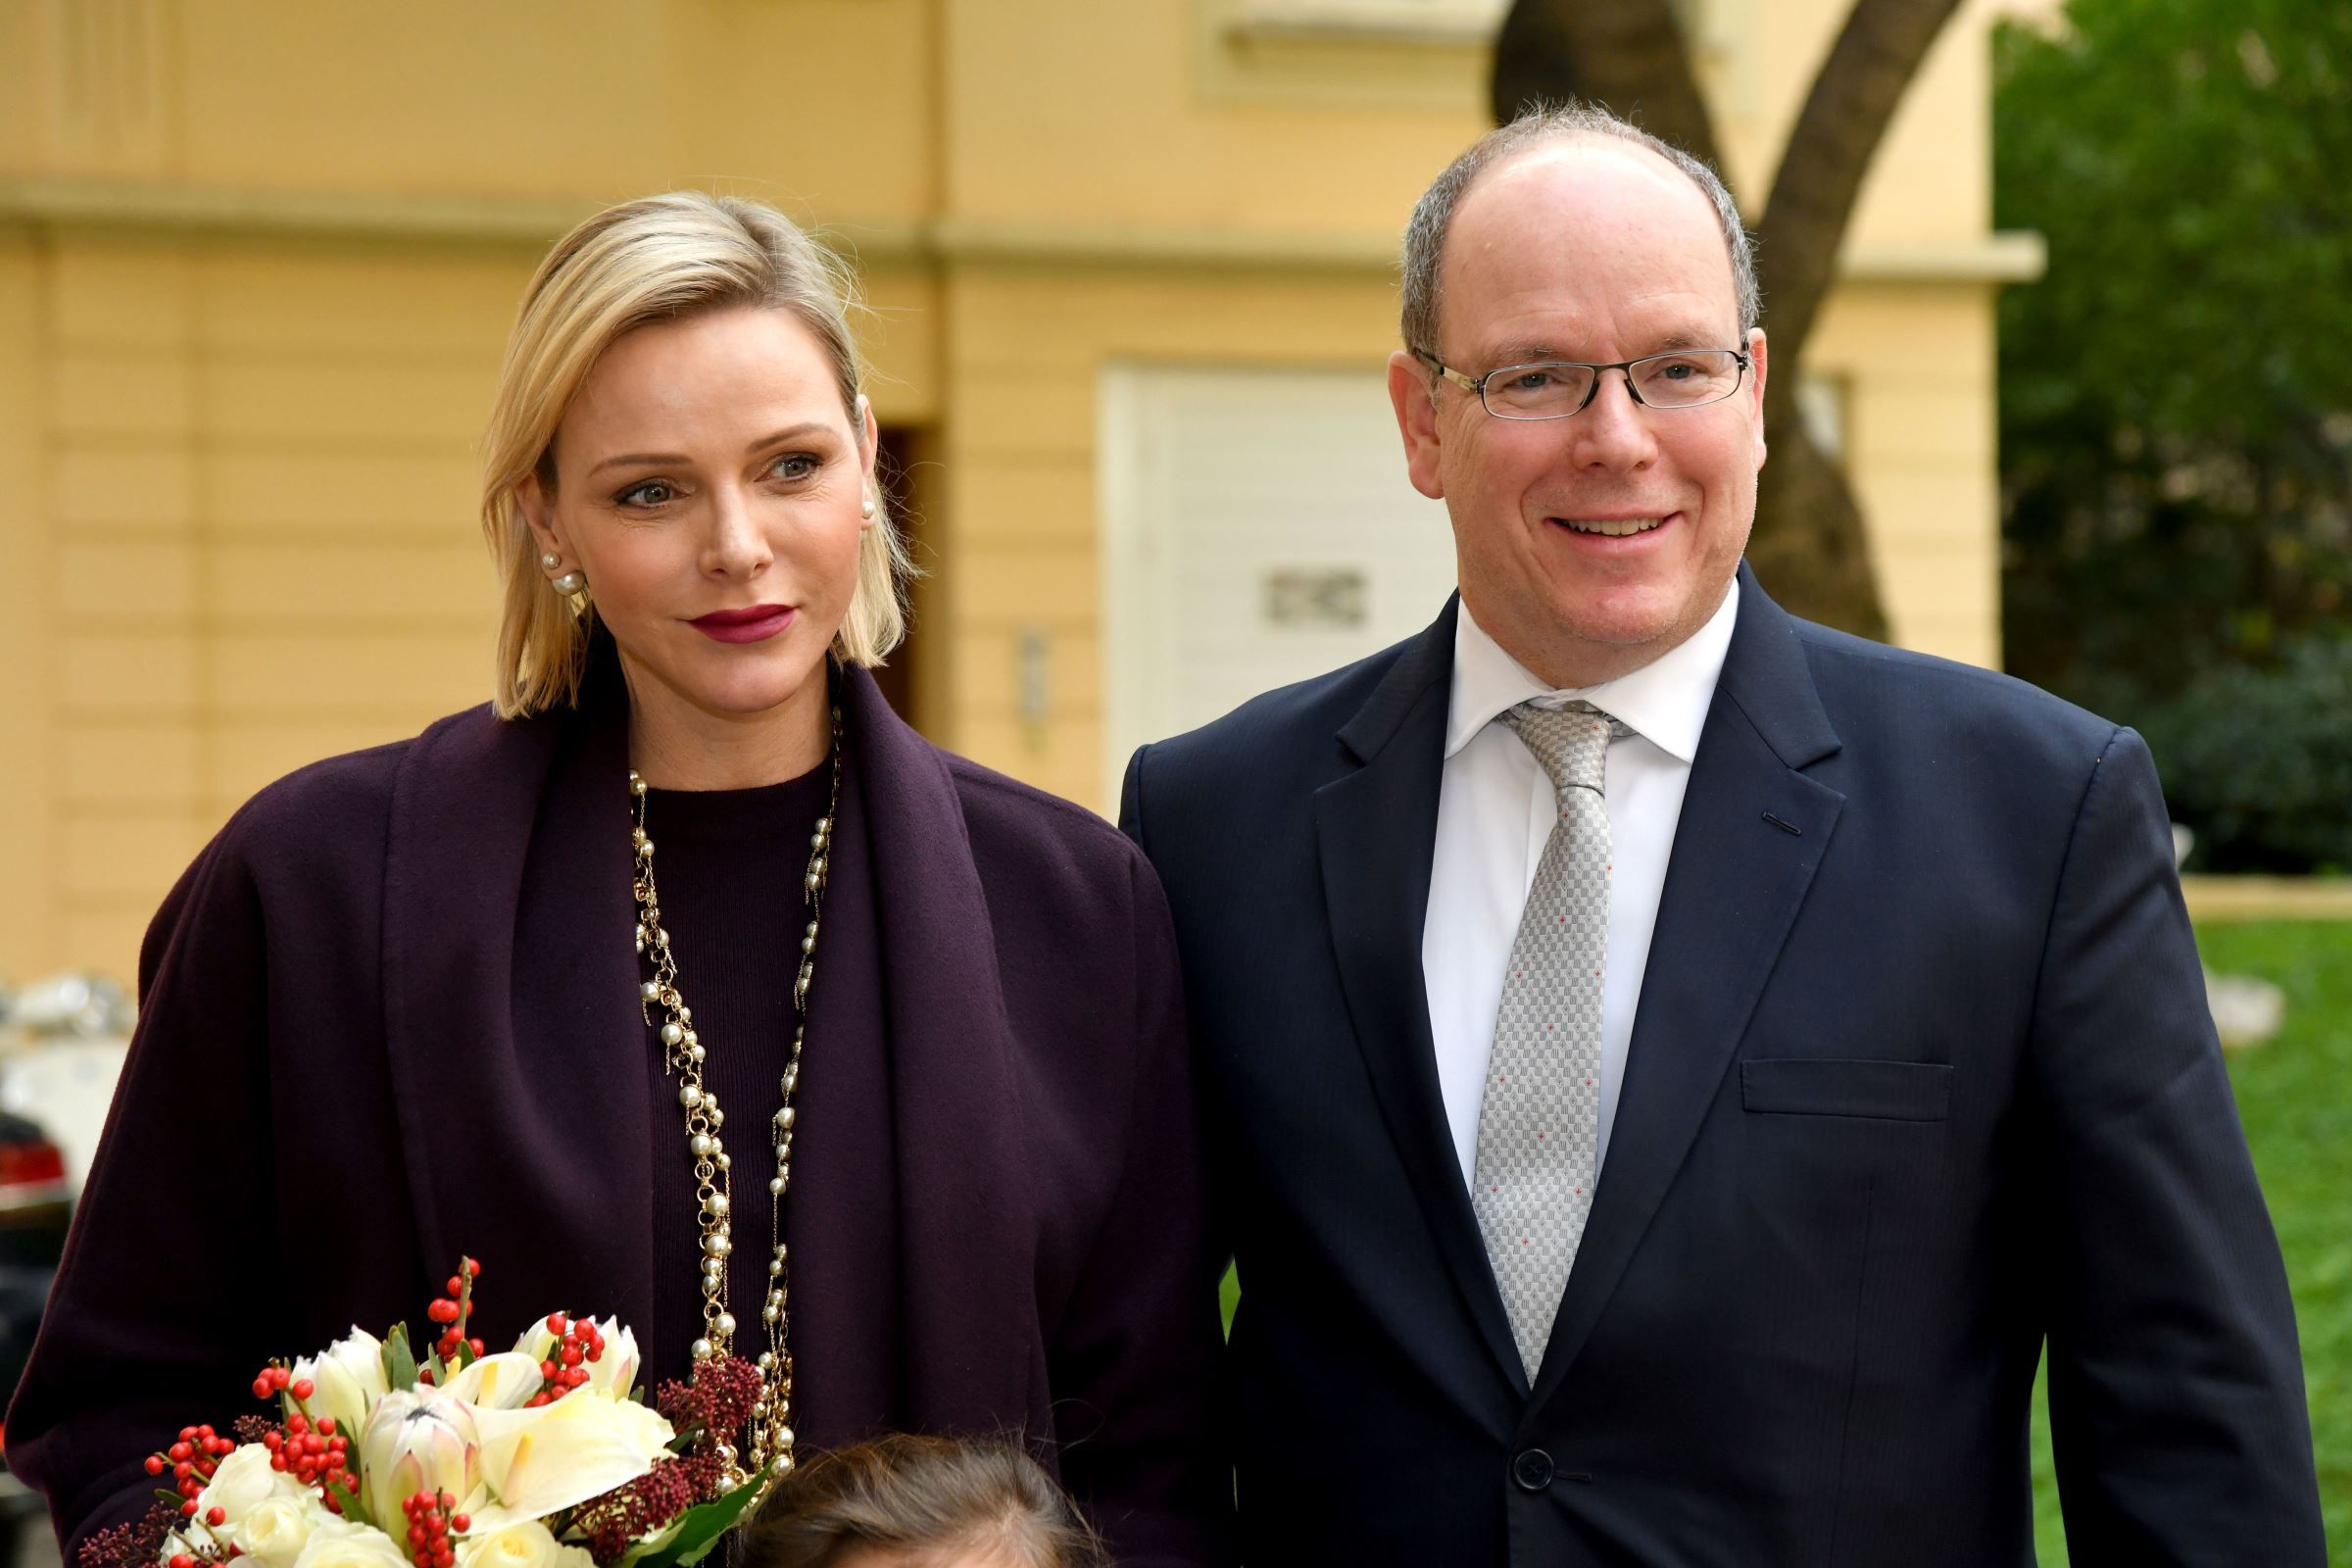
pixel 1532 1469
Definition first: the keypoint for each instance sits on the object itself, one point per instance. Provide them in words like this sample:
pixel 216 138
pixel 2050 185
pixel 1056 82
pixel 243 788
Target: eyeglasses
pixel 1687 378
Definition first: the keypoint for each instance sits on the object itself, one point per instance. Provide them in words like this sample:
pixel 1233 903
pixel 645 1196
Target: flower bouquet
pixel 541 1456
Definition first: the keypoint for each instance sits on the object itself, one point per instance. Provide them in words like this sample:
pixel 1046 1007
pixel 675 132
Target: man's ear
pixel 1755 394
pixel 1409 391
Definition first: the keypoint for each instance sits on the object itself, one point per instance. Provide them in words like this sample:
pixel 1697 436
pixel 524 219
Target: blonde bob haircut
pixel 659 259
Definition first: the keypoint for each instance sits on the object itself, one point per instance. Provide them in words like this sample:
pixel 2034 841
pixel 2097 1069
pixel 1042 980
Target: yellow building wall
pixel 257 264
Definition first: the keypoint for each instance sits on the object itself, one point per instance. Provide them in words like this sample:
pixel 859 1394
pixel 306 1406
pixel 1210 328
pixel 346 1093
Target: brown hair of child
pixel 906 1501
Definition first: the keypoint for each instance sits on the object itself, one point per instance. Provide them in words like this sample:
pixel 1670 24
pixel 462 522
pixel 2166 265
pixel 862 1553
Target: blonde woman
pixel 682 982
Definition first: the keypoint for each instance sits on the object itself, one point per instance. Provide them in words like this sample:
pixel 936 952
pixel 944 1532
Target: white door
pixel 1258 529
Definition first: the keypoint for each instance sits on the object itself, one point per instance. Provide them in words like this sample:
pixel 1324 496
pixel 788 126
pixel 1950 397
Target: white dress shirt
pixel 1495 809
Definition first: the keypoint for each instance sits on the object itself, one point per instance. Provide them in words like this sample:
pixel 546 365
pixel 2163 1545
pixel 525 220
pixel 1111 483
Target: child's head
pixel 906 1501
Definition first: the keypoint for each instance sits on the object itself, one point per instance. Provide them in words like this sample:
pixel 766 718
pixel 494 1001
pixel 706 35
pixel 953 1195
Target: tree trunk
pixel 1809 546
pixel 1626 54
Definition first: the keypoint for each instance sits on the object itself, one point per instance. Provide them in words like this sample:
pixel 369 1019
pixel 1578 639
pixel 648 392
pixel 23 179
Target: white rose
pixel 276 1530
pixel 339 1543
pixel 524 1544
pixel 242 1483
pixel 347 1378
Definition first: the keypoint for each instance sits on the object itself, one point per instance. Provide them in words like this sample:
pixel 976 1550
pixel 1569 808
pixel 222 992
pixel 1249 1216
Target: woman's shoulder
pixel 348 797
pixel 1010 822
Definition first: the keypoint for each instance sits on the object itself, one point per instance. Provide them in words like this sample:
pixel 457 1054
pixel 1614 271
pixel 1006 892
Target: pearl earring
pixel 866 507
pixel 551 560
pixel 572 582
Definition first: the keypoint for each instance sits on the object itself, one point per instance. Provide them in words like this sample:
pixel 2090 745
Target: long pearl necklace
pixel 768 1434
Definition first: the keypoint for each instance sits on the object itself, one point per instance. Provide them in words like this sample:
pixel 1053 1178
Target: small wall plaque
pixel 1316 598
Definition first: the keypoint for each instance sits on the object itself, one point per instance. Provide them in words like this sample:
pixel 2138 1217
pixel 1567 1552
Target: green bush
pixel 2258 760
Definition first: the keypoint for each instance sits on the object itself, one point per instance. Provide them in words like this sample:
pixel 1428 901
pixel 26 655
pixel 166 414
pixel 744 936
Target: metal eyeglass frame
pixel 1479 385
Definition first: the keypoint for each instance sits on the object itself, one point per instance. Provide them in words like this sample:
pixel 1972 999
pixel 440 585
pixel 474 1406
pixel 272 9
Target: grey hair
pixel 1432 214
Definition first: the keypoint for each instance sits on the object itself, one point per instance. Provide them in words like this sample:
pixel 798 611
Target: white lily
pixel 535 1462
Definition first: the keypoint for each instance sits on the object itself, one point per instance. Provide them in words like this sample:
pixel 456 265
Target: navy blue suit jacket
pixel 1922 1076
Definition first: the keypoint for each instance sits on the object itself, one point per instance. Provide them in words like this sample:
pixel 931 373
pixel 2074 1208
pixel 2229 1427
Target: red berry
pixel 279 1377
pixel 475 1345
pixel 181 1559
pixel 424 1375
pixel 416 1535
pixel 181 1450
pixel 187 1509
pixel 456 1285
pixel 216 1516
pixel 154 1464
pixel 326 1426
pixel 463 1523
pixel 278 1462
pixel 304 1388
pixel 441 1309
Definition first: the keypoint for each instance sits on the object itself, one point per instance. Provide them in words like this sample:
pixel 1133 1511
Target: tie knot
pixel 1570 741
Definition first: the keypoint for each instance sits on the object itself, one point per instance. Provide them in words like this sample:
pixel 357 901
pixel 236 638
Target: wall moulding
pixel 135 208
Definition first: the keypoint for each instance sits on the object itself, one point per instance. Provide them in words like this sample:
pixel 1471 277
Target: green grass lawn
pixel 2295 1097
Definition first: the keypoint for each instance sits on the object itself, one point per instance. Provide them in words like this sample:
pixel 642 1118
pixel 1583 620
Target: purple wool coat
pixel 359 1055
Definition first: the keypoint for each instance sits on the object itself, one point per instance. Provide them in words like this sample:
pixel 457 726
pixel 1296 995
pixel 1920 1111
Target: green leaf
pixel 691 1536
pixel 400 1362
pixel 348 1504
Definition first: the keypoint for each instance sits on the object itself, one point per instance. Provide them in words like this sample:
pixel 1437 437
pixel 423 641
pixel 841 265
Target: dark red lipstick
pixel 751 624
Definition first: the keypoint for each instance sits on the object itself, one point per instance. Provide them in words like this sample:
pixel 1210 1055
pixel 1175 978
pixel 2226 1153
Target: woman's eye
pixel 652 493
pixel 798 466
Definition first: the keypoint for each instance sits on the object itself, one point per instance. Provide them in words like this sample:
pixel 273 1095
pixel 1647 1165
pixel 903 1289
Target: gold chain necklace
pixel 768 1433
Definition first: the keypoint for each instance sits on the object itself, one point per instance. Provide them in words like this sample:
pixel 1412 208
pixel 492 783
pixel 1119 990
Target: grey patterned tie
pixel 1539 1121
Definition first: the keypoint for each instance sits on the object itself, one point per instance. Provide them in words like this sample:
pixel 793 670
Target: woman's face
pixel 712 488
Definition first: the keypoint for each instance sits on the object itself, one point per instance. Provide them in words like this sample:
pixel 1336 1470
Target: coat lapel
pixel 965 1262
pixel 516 1049
pixel 1733 884
pixel 1376 826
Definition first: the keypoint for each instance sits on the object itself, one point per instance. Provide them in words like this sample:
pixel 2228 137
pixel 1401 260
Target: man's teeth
pixel 1614 527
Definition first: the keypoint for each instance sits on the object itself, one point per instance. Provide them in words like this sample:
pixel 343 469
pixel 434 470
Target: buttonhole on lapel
pixel 1585 1475
pixel 1790 828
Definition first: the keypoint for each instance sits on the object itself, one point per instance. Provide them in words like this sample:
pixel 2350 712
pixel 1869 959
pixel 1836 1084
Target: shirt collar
pixel 1665 702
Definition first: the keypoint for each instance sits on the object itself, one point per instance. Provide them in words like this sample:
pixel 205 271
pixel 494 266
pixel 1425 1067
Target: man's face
pixel 1596 252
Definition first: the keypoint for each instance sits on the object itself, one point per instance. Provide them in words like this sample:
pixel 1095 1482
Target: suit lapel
pixel 1376 826
pixel 1733 884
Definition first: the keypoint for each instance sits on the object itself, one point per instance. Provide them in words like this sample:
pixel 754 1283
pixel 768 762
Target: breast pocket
pixel 1877 1091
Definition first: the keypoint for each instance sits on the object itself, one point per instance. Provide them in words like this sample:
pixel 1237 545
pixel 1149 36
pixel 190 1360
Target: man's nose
pixel 1613 431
